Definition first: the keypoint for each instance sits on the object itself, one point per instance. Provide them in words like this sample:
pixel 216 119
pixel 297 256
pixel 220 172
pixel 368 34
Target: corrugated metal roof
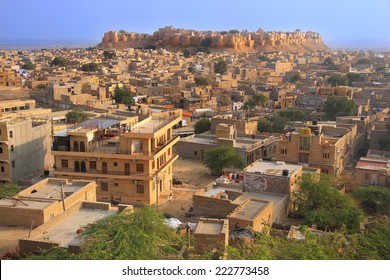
pixel 371 165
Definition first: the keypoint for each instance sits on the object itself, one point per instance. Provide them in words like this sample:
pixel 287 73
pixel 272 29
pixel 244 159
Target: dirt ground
pixel 194 176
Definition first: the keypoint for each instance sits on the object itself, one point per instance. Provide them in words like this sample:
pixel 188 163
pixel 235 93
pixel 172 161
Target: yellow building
pixel 127 161
pixel 325 147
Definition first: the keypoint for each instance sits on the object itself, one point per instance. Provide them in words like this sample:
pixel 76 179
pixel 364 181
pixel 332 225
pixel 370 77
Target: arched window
pixel 82 147
pixel 83 167
pixel 75 146
pixel 76 166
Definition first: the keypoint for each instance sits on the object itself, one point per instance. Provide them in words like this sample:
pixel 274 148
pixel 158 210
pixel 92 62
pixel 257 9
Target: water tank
pixel 285 172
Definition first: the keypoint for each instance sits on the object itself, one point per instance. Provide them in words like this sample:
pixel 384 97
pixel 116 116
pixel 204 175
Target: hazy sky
pixel 335 20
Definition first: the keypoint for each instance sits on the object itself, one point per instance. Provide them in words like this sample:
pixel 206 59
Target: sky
pixel 338 21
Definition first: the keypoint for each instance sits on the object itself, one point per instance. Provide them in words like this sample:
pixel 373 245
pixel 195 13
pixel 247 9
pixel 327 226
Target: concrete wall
pixel 257 223
pixel 264 183
pixel 10 216
pixel 212 207
pixel 205 242
pixel 27 246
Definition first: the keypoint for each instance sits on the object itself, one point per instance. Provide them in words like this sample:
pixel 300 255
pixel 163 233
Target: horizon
pixel 340 23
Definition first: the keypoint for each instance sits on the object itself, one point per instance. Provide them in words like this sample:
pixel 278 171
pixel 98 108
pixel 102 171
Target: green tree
pixel 263 57
pixel 90 67
pixel 293 114
pixel 7 190
pixel 220 67
pixel 328 61
pixel 76 116
pixel 123 96
pixel 29 65
pixel 264 125
pixel 202 81
pixel 59 61
pixel 191 69
pixel 337 80
pixel 373 199
pixel 122 31
pixel 141 235
pixel 321 203
pixel 206 43
pixel 108 54
pixel 221 157
pixel 278 124
pixel 202 125
pixel 186 53
pixel 295 78
pixel 338 107
pixel 355 77
pixel 260 99
pixel 363 61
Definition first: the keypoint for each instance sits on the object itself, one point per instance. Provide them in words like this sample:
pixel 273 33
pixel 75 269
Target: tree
pixel 191 69
pixel 108 55
pixel 355 77
pixel 260 99
pixel 264 125
pixel 278 124
pixel 76 116
pixel 202 125
pixel 328 62
pixel 7 190
pixel 221 157
pixel 186 53
pixel 90 67
pixel 263 57
pixel 321 203
pixel 141 235
pixel 220 67
pixel 373 199
pixel 122 31
pixel 206 43
pixel 123 96
pixel 29 65
pixel 363 61
pixel 337 80
pixel 338 107
pixel 202 81
pixel 59 61
pixel 293 114
pixel 295 78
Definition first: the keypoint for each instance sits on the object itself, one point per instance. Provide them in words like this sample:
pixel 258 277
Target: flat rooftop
pixel 25 203
pixel 209 227
pixel 249 210
pixel 272 168
pixel 65 233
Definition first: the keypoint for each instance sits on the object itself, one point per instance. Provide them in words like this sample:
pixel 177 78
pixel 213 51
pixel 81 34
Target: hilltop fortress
pixel 176 38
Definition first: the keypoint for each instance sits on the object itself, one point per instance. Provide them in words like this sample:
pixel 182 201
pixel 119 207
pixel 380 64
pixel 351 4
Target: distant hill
pixel 176 39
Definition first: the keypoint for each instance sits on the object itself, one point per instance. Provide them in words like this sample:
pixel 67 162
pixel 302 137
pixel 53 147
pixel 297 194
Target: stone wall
pixel 212 207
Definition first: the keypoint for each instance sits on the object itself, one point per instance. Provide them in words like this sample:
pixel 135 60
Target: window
pixel 283 151
pixel 12 148
pixel 366 176
pixel 104 186
pixel 13 163
pixel 11 134
pixel 1 150
pixel 2 169
pixel 140 168
pixel 195 153
pixel 325 154
pixel 75 146
pixel 82 147
pixel 140 189
pixel 116 184
pixel 83 166
pixel 76 166
pixel 169 151
pixel 64 163
pixel 92 165
pixel 325 170
pixel 304 143
pixel 115 164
